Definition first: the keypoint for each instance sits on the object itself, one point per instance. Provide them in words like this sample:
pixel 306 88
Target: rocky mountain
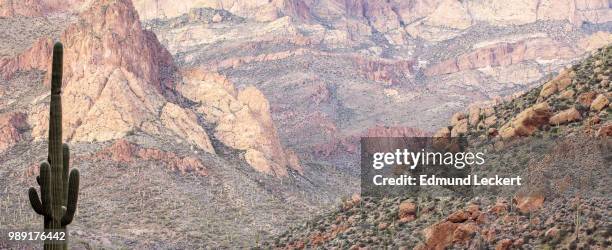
pixel 137 122
pixel 126 86
pixel 560 131
pixel 351 65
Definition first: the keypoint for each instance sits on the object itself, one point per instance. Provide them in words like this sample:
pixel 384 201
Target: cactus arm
pixel 35 201
pixel 66 162
pixel 73 195
pixel 45 192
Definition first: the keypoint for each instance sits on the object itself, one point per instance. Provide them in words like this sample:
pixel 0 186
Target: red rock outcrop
pixel 586 98
pixel 114 78
pixel 407 211
pixel 527 122
pixel 36 57
pixel 242 119
pixel 109 30
pixel 386 71
pixel 457 229
pixel 600 102
pixel 126 152
pixel 605 130
pixel 110 34
pixel 503 54
pixel 529 202
pixel 12 125
pixel 565 116
pixel 560 82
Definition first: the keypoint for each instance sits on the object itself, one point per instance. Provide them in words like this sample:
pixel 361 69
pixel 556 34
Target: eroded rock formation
pixel 12 125
pixel 242 119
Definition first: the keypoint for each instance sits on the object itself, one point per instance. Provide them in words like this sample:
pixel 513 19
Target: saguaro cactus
pixel 58 190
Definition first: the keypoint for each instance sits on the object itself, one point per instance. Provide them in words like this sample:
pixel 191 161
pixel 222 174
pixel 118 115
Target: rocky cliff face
pixel 113 74
pixel 12 126
pixel 117 82
pixel 395 18
pixel 351 65
pixel 242 120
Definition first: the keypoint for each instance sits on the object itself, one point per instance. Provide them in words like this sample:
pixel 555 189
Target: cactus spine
pixel 58 190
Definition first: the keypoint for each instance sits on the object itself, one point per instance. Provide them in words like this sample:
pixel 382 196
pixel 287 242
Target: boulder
pixel 490 121
pixel 440 235
pixel 527 122
pixel 567 94
pixel 529 202
pixel 407 211
pixel 444 234
pixel 552 233
pixel 561 82
pixel 565 116
pixel 586 98
pixel 461 128
pixel 600 102
pixel 474 115
pixel 456 118
pixel 503 244
pixel 605 130
pixel 464 232
pixel 501 206
pixel 442 133
pixel 492 132
pixel 459 216
pixel 356 198
pixel 489 111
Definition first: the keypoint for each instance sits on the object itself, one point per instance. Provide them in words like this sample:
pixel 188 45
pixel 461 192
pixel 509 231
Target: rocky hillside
pixel 560 131
pixel 575 101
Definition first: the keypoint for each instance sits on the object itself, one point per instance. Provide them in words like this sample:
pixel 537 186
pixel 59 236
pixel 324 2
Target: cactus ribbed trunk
pixel 58 190
pixel 55 145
